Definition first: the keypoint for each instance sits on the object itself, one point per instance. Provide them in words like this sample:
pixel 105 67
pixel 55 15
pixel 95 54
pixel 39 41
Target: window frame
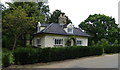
pixel 58 41
pixel 79 42
pixel 38 43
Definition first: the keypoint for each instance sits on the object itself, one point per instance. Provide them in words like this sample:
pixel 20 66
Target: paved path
pixel 104 61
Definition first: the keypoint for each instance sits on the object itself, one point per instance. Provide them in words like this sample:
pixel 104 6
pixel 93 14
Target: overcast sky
pixel 79 10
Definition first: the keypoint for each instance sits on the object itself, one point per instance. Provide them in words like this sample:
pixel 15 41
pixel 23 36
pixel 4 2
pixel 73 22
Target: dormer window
pixel 70 28
pixel 38 27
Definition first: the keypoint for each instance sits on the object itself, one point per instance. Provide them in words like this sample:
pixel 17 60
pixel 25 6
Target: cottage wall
pixel 47 40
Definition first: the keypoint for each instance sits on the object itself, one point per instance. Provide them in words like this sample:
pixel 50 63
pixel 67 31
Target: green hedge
pixel 35 55
pixel 112 49
pixel 25 55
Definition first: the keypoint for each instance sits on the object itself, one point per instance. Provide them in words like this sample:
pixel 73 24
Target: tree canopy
pixel 54 17
pixel 20 20
pixel 100 27
pixel 16 23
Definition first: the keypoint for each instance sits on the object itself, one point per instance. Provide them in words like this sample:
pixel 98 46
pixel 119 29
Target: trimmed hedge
pixel 112 49
pixel 35 55
pixel 25 55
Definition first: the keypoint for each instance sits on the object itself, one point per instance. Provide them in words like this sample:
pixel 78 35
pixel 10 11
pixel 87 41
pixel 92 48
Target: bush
pixel 112 49
pixel 5 59
pixel 33 55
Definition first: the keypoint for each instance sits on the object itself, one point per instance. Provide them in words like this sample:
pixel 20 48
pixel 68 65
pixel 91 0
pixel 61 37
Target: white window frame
pixel 80 42
pixel 58 41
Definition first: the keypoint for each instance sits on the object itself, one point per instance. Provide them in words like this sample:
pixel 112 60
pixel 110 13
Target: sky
pixel 79 10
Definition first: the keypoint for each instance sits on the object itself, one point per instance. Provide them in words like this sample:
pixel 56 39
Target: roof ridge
pixel 47 27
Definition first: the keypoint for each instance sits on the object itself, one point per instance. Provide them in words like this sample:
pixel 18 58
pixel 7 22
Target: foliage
pixel 33 55
pixel 7 57
pixel 36 55
pixel 24 55
pixel 93 43
pixel 100 27
pixel 104 42
pixel 55 15
pixel 17 23
pixel 37 10
pixel 20 20
pixel 112 49
pixel 116 43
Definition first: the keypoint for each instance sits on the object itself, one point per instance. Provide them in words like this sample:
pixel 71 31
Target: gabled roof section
pixel 56 28
pixel 78 31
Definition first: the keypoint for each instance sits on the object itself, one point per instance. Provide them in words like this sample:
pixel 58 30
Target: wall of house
pixel 47 40
pixel 42 37
pixel 84 40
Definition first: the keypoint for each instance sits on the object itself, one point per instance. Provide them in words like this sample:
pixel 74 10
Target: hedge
pixel 112 49
pixel 35 55
pixel 25 55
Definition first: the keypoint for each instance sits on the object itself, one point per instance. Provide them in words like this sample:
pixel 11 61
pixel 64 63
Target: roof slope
pixel 55 28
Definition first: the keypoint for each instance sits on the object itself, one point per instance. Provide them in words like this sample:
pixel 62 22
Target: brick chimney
pixel 62 19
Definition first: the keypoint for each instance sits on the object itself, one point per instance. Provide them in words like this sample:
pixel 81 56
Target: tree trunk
pixel 14 43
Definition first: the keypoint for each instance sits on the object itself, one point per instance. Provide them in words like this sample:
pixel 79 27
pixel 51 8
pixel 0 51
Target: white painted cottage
pixel 59 34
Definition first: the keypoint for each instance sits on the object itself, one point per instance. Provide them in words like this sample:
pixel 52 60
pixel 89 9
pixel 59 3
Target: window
pixel 58 41
pixel 38 41
pixel 69 29
pixel 79 42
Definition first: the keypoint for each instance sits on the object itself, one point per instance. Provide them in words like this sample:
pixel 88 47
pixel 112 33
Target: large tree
pixel 36 11
pixel 55 15
pixel 100 27
pixel 16 23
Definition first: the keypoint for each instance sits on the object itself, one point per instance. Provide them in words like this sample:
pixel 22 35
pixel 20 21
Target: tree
pixel 36 11
pixel 55 15
pixel 16 23
pixel 116 43
pixel 100 27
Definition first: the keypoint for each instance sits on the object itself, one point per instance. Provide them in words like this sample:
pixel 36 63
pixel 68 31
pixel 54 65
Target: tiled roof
pixel 55 28
pixel 45 25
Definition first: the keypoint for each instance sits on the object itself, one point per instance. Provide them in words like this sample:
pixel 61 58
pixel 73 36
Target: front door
pixel 72 42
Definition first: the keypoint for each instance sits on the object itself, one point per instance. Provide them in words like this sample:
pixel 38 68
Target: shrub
pixel 112 49
pixel 5 59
